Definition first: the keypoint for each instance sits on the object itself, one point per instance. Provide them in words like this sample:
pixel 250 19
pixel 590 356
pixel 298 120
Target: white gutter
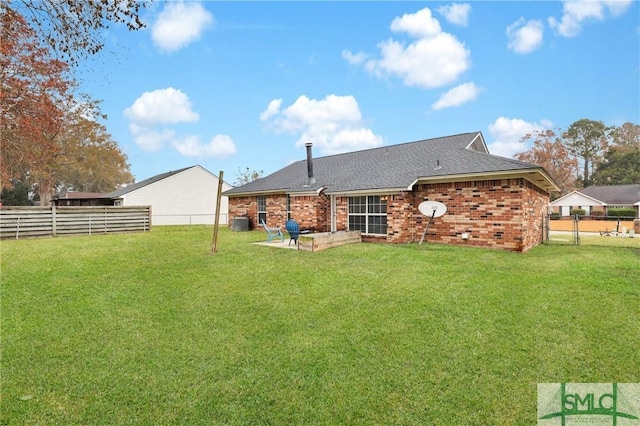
pixel 410 187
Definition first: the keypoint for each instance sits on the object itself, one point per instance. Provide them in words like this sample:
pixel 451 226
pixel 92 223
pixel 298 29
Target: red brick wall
pixel 535 205
pixel 310 211
pixel 504 213
pixel 244 206
pixel 276 210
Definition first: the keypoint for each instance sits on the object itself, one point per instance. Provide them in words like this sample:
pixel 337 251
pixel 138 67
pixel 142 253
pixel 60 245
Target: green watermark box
pixel 592 404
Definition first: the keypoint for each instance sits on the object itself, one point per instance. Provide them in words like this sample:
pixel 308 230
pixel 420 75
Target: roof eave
pixel 536 176
pixel 372 191
pixel 253 193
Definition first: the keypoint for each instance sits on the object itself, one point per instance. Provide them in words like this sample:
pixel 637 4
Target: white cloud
pixel 219 146
pixel 428 62
pixel 617 7
pixel 525 37
pixel 459 95
pixel 419 25
pixel 150 139
pixel 457 13
pixel 575 13
pixel 151 115
pixel 272 109
pixel 508 132
pixel 333 124
pixel 162 106
pixel 354 58
pixel 180 24
pixel 434 59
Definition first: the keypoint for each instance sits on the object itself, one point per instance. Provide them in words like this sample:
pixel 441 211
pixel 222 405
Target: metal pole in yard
pixel 214 244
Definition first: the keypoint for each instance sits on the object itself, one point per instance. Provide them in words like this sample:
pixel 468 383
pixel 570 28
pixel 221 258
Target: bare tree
pixel 73 28
pixel 247 175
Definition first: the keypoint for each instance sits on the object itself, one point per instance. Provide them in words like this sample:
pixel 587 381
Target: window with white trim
pixel 262 209
pixel 368 214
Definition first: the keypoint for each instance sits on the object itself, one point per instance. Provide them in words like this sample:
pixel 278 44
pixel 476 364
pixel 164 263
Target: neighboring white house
pixel 600 198
pixel 182 197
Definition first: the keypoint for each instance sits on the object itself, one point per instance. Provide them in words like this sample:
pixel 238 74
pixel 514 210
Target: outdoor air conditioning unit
pixel 240 223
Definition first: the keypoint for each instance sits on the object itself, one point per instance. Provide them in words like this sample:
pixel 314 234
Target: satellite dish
pixel 432 208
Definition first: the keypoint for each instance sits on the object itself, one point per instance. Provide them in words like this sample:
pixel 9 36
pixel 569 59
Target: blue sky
pixel 230 85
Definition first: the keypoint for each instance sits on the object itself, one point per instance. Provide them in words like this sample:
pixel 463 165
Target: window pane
pixel 357 204
pixel 377 225
pixel 376 205
pixel 357 223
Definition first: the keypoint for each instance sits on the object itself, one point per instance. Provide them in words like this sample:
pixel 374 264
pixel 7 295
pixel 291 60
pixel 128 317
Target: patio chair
pixel 293 229
pixel 272 232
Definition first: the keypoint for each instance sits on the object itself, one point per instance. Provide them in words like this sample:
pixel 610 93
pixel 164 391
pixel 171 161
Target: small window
pixel 262 209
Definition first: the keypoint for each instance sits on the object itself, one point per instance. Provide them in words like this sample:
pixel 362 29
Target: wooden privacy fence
pixel 24 222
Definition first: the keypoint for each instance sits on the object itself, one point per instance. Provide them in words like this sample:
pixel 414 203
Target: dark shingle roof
pixel 389 167
pixel 120 192
pixel 614 194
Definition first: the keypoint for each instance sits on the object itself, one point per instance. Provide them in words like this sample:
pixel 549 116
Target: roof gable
pixel 143 183
pixel 393 167
pixel 614 194
pixel 576 198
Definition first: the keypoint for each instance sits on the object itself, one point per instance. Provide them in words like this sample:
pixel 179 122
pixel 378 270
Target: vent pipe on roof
pixel 310 179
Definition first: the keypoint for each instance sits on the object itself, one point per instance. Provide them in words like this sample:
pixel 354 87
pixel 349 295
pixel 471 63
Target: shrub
pixel 579 212
pixel 622 212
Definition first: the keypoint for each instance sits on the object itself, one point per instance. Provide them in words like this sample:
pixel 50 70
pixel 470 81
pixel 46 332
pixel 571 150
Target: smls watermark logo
pixel 616 404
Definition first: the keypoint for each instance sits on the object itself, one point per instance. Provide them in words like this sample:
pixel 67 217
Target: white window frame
pixel 372 203
pixel 261 201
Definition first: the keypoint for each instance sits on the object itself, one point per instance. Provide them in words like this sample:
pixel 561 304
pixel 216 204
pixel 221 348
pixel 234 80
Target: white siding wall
pixel 186 198
pixel 575 200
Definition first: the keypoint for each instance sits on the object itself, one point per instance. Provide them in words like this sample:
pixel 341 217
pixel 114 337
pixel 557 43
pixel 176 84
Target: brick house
pixel 600 199
pixel 491 201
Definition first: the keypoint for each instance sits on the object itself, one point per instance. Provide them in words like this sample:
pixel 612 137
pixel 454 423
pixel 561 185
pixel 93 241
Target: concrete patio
pixel 278 244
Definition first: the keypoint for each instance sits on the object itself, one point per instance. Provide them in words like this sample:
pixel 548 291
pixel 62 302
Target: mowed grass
pixel 152 329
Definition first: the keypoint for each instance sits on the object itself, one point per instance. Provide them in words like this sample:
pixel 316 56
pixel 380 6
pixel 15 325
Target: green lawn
pixel 151 329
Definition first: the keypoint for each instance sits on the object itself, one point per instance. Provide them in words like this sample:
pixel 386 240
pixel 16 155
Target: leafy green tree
pixel 621 164
pixel 18 195
pixel 587 140
pixel 618 168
